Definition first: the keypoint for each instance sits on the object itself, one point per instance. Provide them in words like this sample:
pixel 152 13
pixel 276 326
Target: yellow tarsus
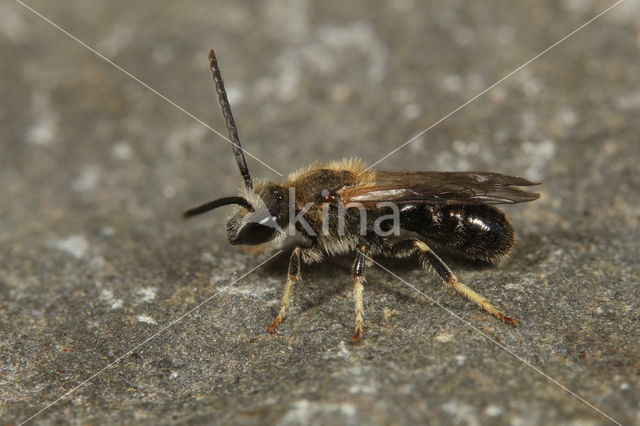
pixel 291 280
pixel 469 293
pixel 357 295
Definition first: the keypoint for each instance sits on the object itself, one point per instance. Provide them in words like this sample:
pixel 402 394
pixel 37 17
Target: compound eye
pixel 255 233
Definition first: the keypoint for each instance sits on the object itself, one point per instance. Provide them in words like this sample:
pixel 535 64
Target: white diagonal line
pixel 128 74
pixel 153 336
pixel 495 84
pixel 500 345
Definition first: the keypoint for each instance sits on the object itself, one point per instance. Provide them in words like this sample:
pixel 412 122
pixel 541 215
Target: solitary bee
pixel 343 207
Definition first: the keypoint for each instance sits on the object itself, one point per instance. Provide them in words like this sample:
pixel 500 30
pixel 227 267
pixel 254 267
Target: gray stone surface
pixel 95 170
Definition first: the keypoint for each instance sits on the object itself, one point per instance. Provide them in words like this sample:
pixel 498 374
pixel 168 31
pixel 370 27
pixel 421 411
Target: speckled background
pixel 95 170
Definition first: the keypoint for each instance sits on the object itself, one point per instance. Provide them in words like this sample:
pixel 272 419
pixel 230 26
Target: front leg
pixel 292 277
pixel 359 267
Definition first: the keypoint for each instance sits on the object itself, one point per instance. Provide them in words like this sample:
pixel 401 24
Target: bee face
pixel 264 221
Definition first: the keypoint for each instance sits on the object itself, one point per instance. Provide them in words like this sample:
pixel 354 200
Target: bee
pixel 344 208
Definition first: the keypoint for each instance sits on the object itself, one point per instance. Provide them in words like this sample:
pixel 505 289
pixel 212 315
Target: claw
pixel 274 324
pixel 512 321
pixel 356 337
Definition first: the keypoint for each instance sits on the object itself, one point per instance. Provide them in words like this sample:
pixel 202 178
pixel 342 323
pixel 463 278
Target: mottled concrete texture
pixel 95 170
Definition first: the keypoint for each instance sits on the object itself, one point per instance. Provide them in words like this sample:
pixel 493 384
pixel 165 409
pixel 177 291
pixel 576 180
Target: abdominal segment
pixel 479 232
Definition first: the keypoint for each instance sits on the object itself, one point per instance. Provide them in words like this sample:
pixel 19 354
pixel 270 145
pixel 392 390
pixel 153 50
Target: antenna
pixel 228 119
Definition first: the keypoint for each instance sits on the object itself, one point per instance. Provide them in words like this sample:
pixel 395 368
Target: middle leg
pixel 359 266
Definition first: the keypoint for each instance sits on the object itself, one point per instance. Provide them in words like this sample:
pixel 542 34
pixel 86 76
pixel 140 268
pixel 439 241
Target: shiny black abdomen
pixel 476 231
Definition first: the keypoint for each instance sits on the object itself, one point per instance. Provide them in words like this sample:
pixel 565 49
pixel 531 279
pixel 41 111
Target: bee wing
pixel 440 188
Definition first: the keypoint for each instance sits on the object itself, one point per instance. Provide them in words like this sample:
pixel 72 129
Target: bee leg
pixel 359 267
pixel 292 276
pixel 428 257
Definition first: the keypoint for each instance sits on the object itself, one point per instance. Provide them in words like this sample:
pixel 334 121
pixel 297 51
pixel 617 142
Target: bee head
pixel 263 210
pixel 263 219
pixel 262 214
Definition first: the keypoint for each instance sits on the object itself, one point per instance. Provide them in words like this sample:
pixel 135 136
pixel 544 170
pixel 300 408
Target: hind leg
pixel 427 257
